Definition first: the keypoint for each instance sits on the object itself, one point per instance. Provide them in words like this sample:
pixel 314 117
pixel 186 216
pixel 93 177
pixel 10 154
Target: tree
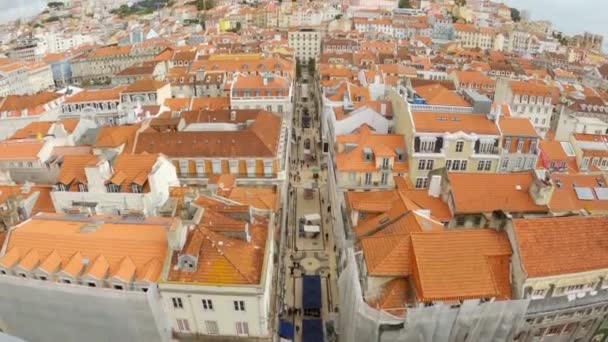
pixel 461 3
pixel 311 67
pixel 404 4
pixel 515 15
pixel 298 70
pixel 54 4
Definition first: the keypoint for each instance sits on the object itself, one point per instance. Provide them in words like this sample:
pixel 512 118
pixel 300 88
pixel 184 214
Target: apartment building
pixel 17 111
pixel 583 116
pixel 473 80
pixel 252 145
pixel 265 92
pixel 100 105
pixel 137 184
pixel 139 94
pixel 520 144
pixel 368 161
pixel 99 65
pixel 455 141
pixel 568 297
pixel 471 36
pixel 109 265
pixel 590 150
pixel 14 79
pixel 220 276
pixel 40 77
pixel 306 43
pixel 529 100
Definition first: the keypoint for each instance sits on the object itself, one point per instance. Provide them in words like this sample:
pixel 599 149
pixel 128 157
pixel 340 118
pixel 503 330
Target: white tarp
pixel 313 218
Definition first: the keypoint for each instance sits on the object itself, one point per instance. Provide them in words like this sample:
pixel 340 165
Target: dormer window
pixel 136 188
pixel 62 187
pixel 367 154
pixel 399 155
pixel 82 187
pixel 112 188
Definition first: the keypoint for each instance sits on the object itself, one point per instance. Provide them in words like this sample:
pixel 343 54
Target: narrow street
pixel 309 263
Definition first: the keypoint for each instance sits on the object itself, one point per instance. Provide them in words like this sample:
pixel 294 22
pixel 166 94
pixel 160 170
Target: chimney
pixel 176 236
pixel 233 115
pixel 435 186
pixel 541 188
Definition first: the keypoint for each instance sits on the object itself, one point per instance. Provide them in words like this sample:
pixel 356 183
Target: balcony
pixel 237 175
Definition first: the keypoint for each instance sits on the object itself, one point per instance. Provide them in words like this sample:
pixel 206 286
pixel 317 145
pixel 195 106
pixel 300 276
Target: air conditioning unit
pixel 593 293
pixel 571 297
pixel 581 294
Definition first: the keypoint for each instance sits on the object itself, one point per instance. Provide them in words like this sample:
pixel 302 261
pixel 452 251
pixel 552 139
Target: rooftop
pixel 454 122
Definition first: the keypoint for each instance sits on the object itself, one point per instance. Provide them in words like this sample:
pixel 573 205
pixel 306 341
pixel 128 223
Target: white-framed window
pixel 480 165
pixel 519 163
pixel 429 164
pixel 212 328
pixel 250 168
pixel 267 168
pixel 280 108
pixel 177 303
pixel 113 188
pixel 234 166
pixel 200 167
pixel 463 165
pixel 216 166
pixel 183 166
pixel 242 328
pixel 384 178
pixel 136 188
pixel 368 178
pixel 520 144
pixel 422 182
pixel 207 304
pixel 530 164
pixel 486 147
pixel 427 145
pixel 595 161
pixel 585 164
pixel 352 176
pixel 421 164
pixel 183 324
pixel 239 305
pixel 82 187
pixel 459 146
pixel 488 165
pixel 505 163
pixel 455 164
pixel 507 144
pixel 539 293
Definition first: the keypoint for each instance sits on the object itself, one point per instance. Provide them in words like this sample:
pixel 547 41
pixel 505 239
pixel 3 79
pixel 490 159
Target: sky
pixel 569 16
pixel 14 9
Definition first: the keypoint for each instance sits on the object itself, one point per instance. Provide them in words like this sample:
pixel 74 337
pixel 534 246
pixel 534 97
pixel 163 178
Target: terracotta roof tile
pixel 142 86
pixel 517 127
pixel 454 122
pixel 67 245
pixel 563 245
pixel 72 169
pixel 89 95
pixel 564 197
pixel 382 146
pixel 20 150
pixel 36 129
pixel 458 265
pixel 487 192
pixel 392 298
pixel 372 202
pixel 115 136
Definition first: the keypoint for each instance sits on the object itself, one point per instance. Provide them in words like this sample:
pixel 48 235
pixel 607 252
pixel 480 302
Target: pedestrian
pixel 322 200
pixel 326 236
pixel 297 328
pixel 329 208
pixel 334 248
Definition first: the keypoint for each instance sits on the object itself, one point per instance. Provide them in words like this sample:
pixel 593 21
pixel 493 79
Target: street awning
pixel 311 294
pixel 312 330
pixel 286 330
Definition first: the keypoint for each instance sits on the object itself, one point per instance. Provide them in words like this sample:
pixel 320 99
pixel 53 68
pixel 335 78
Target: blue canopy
pixel 311 292
pixel 286 330
pixel 312 330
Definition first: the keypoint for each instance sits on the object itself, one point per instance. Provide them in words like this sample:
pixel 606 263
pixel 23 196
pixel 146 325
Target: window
pixel 459 146
pixel 183 325
pixel 183 167
pixel 136 188
pixel 463 165
pixel 368 178
pixel 385 163
pixel 421 164
pixel 267 168
pixel 234 166
pixel 488 165
pixel 455 164
pixel 477 221
pixel 427 145
pixel 250 168
pixel 585 164
pixel 82 187
pixel 200 167
pixel 384 178
pixel 539 294
pixel 216 166
pixel 30 164
pixel 480 165
pixel 177 303
pixel 212 328
pixel 460 221
pixel 429 164
pixel 280 108
pixel 113 188
pixel 507 144
pixel 595 161
pixel 239 305
pixel 43 278
pixel 520 144
pixel 421 182
pixel 448 164
pixel 118 287
pixel 555 330
pixel 269 108
pixel 207 304
pixel 242 328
